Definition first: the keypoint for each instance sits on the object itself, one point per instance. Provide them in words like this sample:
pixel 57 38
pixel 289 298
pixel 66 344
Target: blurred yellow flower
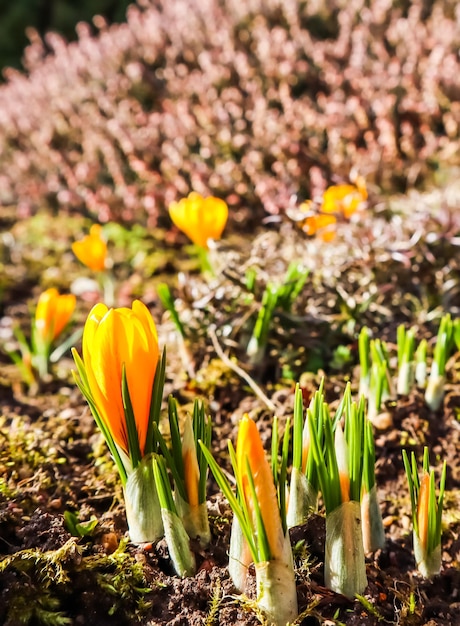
pixel 200 218
pixel 113 339
pixel 52 314
pixel 92 249
pixel 249 447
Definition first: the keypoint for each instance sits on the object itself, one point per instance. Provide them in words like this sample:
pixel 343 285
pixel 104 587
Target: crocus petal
pixel 104 375
pixel 200 218
pixel 422 509
pixel 65 306
pixel 345 199
pixel 191 469
pixel 341 451
pixel 43 313
pixel 250 446
pixel 92 249
pixel 53 313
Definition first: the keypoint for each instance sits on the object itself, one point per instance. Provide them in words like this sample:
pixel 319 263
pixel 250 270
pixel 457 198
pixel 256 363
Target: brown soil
pixel 53 460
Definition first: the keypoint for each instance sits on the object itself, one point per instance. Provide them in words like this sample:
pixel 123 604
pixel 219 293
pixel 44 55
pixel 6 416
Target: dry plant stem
pixel 344 563
pixel 240 372
pixel 142 504
pixel 303 499
pixel 372 524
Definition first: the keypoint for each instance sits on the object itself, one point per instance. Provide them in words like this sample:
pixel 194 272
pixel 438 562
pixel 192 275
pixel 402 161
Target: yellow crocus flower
pixel 249 446
pixel 52 314
pixel 92 249
pixel 200 218
pixel 113 338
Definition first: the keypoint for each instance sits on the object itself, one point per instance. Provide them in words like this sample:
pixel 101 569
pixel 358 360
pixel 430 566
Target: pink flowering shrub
pixel 261 102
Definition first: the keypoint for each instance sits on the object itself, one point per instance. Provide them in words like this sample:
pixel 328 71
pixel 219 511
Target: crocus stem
pixel 142 504
pixel 344 563
pixel 195 519
pixel 428 563
pixel 302 499
pixel 178 544
pixel 240 556
pixel 107 285
pixel 372 524
pixel 276 590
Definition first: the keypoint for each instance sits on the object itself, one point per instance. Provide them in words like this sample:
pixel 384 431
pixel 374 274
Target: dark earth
pixel 53 460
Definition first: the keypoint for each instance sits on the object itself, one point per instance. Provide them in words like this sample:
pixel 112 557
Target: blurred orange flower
pixel 318 223
pixel 200 218
pixel 52 314
pixel 338 201
pixel 92 249
pixel 345 199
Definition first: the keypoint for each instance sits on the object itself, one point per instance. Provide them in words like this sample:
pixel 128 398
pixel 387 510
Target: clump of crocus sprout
pixel 339 202
pixel 203 220
pixel 52 315
pixel 406 360
pixel 187 463
pixel 262 531
pixel 276 296
pixel 376 379
pixel 304 487
pixel 426 513
pixel 91 250
pixel 375 382
pixel 434 392
pixel 339 461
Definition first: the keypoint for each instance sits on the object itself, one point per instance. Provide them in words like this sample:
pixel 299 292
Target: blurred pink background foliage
pixel 256 102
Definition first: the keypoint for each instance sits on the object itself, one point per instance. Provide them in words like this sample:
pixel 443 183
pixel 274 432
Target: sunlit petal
pixel 249 445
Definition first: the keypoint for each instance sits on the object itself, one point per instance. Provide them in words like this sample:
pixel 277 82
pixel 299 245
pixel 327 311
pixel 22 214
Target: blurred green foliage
pixel 44 15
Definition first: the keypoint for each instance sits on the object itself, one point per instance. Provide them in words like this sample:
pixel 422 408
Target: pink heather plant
pixel 246 101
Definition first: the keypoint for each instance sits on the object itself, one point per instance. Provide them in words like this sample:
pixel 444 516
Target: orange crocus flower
pixel 200 218
pixel 113 338
pixel 319 223
pixel 52 314
pixel 191 469
pixel 92 249
pixel 249 446
pixel 338 200
pixel 341 452
pixel 422 509
pixel 345 199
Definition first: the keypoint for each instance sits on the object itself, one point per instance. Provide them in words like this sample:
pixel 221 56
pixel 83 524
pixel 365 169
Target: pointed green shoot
pixel 164 293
